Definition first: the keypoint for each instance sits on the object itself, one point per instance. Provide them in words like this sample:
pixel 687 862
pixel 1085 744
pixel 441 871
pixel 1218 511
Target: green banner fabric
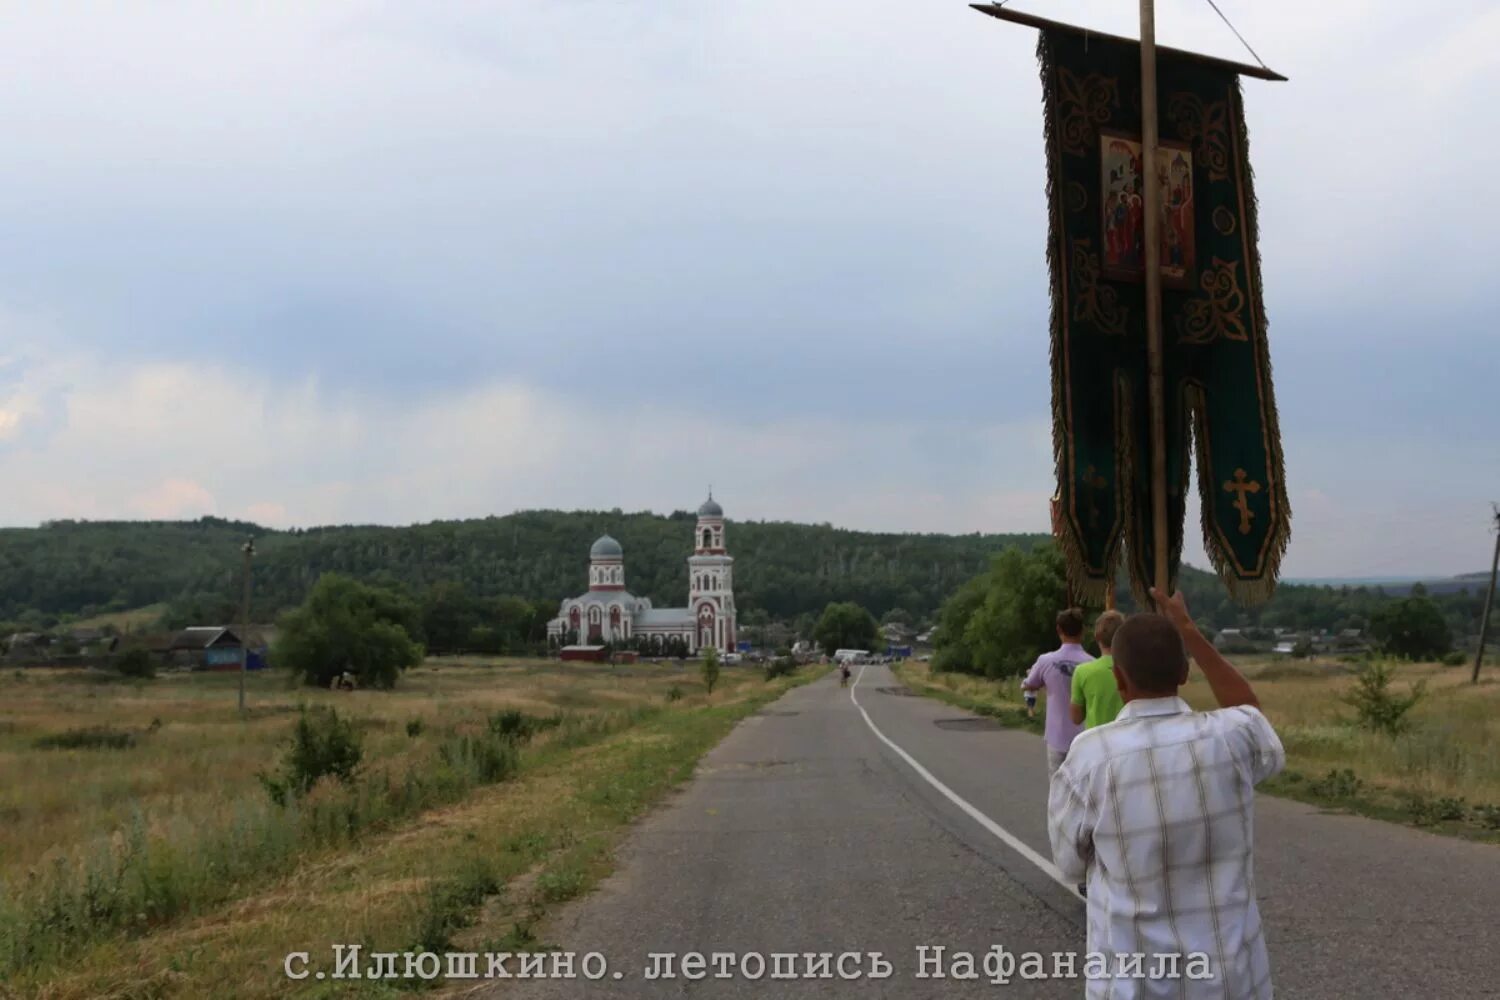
pixel 1217 365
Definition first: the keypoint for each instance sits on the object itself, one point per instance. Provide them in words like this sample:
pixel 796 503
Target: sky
pixel 382 262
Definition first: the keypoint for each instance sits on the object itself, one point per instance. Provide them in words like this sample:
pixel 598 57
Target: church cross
pixel 1241 485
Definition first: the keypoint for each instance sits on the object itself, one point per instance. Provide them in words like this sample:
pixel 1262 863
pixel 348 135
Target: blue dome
pixel 606 548
pixel 710 508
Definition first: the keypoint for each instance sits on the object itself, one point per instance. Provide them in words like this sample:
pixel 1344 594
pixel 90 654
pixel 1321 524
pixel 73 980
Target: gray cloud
pixel 732 227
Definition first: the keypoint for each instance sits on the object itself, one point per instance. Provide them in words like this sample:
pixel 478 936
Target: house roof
pixel 203 636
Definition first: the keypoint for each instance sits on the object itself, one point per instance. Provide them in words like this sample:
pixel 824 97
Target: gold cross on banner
pixel 1240 485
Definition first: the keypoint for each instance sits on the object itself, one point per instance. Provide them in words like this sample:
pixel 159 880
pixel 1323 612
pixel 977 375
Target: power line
pixel 1238 35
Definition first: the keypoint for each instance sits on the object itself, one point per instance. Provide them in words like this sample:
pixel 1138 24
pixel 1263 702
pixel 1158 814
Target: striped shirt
pixel 1156 810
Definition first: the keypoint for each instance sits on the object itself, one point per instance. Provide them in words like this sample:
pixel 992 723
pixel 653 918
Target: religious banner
pixel 1219 399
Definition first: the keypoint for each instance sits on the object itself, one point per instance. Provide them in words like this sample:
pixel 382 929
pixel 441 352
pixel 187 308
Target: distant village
pixel 204 647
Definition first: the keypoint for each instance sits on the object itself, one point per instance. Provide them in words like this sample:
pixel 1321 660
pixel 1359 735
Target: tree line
pixel 81 568
pixel 1000 620
pixel 513 570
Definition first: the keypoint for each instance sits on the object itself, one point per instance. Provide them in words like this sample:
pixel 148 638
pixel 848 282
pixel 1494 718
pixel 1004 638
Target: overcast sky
pixel 393 262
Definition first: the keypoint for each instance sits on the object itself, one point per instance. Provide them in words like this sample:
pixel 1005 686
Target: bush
pixel 710 669
pixel 414 727
pixel 451 905
pixel 91 738
pixel 483 759
pixel 518 727
pixel 674 693
pixel 1425 811
pixel 137 663
pixel 1377 707
pixel 1455 659
pixel 782 666
pixel 322 744
pixel 1337 784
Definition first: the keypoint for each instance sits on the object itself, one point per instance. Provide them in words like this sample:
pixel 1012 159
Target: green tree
pixel 710 669
pixel 450 615
pixel 137 663
pixel 348 625
pixel 896 616
pixel 1413 628
pixel 997 624
pixel 845 625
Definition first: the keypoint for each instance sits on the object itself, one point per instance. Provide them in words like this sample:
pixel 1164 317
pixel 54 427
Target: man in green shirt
pixel 1096 698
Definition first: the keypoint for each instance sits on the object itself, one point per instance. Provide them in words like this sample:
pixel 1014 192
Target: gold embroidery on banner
pixel 1078 197
pixel 1082 106
pixel 1241 485
pixel 1221 313
pixel 1093 483
pixel 1224 221
pixel 1206 126
pixel 1094 302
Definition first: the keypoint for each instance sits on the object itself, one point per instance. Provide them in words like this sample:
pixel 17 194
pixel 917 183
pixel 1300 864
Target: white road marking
pixel 1005 836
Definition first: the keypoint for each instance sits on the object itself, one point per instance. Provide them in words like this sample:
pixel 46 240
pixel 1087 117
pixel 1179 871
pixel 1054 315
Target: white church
pixel 610 613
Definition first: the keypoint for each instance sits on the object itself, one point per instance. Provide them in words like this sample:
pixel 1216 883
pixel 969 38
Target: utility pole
pixel 1489 598
pixel 1151 198
pixel 249 550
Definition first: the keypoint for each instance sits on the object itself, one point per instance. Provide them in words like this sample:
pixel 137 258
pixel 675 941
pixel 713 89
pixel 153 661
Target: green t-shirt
pixel 1094 688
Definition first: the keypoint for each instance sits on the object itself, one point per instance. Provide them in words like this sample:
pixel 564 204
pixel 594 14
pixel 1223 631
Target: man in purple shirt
pixel 1054 672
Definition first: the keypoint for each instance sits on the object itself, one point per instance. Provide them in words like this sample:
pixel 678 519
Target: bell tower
pixel 711 581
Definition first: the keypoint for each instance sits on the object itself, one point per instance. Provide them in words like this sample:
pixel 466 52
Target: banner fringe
pixel 1248 593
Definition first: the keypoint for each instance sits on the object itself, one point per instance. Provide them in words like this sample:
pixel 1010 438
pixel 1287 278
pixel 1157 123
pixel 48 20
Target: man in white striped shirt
pixel 1156 810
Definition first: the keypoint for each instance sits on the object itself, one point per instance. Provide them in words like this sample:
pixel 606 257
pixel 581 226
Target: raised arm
pixel 1228 685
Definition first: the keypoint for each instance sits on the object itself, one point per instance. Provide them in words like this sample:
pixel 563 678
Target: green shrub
pixel 1337 784
pixel 414 727
pixel 674 693
pixel 137 663
pixel 518 727
pixel 710 669
pixel 782 666
pixel 451 905
pixel 90 738
pixel 1376 706
pixel 1455 659
pixel 322 744
pixel 483 759
pixel 1425 811
pixel 1487 816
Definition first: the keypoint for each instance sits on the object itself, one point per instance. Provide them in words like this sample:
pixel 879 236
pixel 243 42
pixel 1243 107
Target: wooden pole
pixel 1489 600
pixel 249 550
pixel 1151 205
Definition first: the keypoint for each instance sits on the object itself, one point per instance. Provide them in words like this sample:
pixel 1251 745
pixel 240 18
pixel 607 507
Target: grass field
pixel 163 868
pixel 135 620
pixel 1444 773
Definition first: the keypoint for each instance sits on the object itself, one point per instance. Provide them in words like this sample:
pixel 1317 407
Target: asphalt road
pixel 805 831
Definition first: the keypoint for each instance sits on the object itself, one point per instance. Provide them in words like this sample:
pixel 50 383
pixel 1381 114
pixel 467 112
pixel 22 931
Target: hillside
pixel 93 569
pixel 90 568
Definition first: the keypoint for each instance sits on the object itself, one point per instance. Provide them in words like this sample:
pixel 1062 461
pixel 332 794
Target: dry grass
pixel 196 772
pixel 1448 753
pixel 134 620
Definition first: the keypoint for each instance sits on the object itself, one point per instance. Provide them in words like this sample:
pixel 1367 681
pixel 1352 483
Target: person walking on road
pixel 1096 697
pixel 1053 672
pixel 1157 812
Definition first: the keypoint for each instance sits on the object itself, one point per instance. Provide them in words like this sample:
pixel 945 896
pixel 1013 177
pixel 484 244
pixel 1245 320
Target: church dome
pixel 710 508
pixel 606 548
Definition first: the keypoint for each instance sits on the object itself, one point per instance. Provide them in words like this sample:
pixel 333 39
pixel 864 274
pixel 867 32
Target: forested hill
pixel 82 568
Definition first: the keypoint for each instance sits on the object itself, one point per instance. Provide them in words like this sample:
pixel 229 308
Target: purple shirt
pixel 1054 671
